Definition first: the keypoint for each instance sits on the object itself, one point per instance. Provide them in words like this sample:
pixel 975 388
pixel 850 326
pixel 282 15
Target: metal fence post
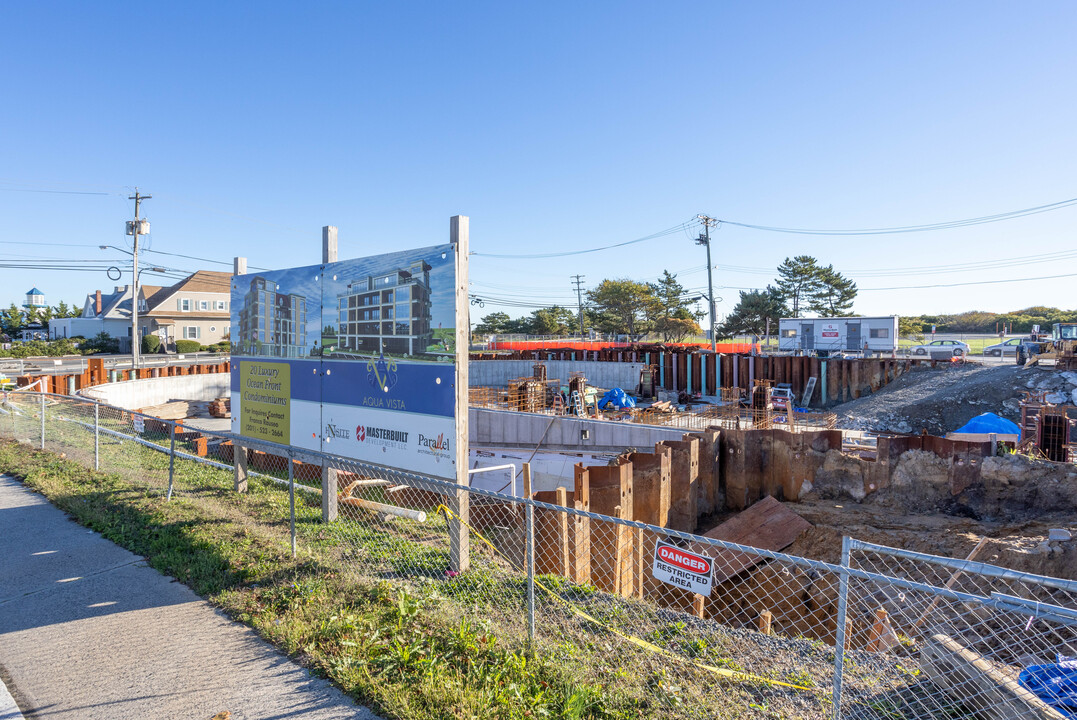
pixel 529 531
pixel 291 499
pixel 42 421
pixel 97 436
pixel 843 611
pixel 171 459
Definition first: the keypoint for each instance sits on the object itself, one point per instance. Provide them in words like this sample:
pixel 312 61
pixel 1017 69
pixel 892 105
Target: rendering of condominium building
pixel 388 312
pixel 271 323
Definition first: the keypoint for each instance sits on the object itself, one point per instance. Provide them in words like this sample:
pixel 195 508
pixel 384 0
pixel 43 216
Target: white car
pixel 954 348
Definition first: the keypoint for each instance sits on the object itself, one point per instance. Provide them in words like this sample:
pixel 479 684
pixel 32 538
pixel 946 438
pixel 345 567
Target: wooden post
pixel 697 605
pixel 562 534
pixel 764 621
pixel 882 636
pixel 329 493
pixel 239 465
pixel 459 540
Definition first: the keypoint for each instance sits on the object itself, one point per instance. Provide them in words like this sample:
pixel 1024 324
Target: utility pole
pixel 705 239
pixel 136 228
pixel 578 281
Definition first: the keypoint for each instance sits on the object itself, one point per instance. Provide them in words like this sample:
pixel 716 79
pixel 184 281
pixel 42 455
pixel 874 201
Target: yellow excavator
pixel 1060 347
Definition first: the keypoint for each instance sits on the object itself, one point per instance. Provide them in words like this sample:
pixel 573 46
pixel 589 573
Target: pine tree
pixel 798 281
pixel 751 313
pixel 834 294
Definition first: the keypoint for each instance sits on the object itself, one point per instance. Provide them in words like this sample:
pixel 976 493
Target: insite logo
pixel 332 431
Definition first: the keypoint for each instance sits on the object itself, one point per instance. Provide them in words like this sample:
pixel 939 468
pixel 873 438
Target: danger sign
pixel 682 569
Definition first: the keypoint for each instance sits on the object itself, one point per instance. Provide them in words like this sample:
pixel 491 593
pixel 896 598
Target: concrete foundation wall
pixel 134 394
pixel 497 373
pixel 508 429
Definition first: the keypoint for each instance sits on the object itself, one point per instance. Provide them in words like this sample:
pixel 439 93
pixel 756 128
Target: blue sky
pixel 554 126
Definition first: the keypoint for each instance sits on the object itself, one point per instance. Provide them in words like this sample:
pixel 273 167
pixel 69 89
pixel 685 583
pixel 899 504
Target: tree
pixel 751 313
pixel 13 319
pixel 624 307
pixel 678 327
pixel 551 321
pixel 798 281
pixel 910 327
pixel 833 294
pixel 493 324
pixel 44 315
pixel 62 310
pixel 32 315
pixel 672 315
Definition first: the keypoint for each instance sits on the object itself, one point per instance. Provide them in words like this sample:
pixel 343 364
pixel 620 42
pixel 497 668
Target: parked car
pixel 955 348
pixel 1008 347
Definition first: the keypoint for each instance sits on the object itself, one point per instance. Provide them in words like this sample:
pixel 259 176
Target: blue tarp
pixel 618 397
pixel 990 423
pixel 1055 684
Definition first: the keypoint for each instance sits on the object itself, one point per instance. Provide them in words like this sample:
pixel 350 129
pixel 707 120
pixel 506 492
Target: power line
pixel 535 256
pixel 982 220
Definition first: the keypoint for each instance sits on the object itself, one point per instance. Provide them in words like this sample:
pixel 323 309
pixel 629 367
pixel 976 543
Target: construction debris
pixel 767 525
pixel 221 408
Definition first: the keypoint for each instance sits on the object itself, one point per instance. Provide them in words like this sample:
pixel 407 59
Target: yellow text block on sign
pixel 266 391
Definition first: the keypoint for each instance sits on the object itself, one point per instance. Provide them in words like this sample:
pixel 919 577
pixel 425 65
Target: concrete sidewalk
pixel 88 631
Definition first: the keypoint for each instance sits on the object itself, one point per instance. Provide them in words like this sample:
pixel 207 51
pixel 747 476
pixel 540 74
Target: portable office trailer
pixel 818 336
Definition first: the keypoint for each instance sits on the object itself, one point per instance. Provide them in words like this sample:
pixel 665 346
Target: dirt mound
pixel 942 399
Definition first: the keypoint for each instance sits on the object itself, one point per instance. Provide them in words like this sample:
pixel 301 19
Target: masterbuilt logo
pixel 438 447
pixel 384 437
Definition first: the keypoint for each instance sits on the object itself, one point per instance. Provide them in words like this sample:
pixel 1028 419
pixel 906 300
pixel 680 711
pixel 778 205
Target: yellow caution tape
pixel 639 642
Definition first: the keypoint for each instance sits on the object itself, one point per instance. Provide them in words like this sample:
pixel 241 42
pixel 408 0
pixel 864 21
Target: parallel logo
pixel 438 447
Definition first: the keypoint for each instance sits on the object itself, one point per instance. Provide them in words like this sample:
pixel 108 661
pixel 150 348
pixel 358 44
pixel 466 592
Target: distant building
pixel 195 308
pixel 35 299
pixel 272 323
pixel 389 312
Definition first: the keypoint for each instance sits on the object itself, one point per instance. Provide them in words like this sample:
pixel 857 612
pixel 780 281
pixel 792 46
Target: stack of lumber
pixel 221 408
pixel 662 406
pixel 175 410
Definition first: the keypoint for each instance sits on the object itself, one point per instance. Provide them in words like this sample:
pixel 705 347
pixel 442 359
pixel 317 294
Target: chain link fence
pixel 683 625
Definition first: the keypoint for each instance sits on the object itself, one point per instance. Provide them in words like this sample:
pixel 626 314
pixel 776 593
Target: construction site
pixel 758 466
pixel 850 446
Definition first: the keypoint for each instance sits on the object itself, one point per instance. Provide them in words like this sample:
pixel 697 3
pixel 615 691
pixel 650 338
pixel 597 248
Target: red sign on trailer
pixel 680 568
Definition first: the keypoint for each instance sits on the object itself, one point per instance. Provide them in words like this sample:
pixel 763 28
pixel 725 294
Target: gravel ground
pixel 944 398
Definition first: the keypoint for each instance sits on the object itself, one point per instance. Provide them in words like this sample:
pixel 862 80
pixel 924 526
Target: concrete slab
pixel 88 630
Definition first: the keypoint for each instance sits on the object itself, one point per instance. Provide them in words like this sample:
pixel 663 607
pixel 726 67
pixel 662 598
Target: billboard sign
pixel 830 330
pixel 354 358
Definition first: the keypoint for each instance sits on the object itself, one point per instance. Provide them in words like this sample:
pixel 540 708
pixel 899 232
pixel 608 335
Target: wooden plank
pixel 974 681
pixel 767 525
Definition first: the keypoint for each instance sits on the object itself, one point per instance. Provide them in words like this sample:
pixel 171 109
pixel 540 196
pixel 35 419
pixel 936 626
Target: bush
pixel 151 343
pixel 102 342
pixel 188 346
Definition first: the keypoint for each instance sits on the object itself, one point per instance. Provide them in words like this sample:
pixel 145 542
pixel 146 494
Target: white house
pixel 196 308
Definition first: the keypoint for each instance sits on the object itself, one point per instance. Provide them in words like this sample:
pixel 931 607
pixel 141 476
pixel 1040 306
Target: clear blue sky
pixel 554 126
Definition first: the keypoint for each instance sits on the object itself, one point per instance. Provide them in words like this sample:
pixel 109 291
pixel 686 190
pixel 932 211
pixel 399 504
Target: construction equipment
pixel 1060 347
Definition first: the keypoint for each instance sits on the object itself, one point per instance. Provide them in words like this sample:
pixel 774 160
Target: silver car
pixel 1009 347
pixel 951 347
